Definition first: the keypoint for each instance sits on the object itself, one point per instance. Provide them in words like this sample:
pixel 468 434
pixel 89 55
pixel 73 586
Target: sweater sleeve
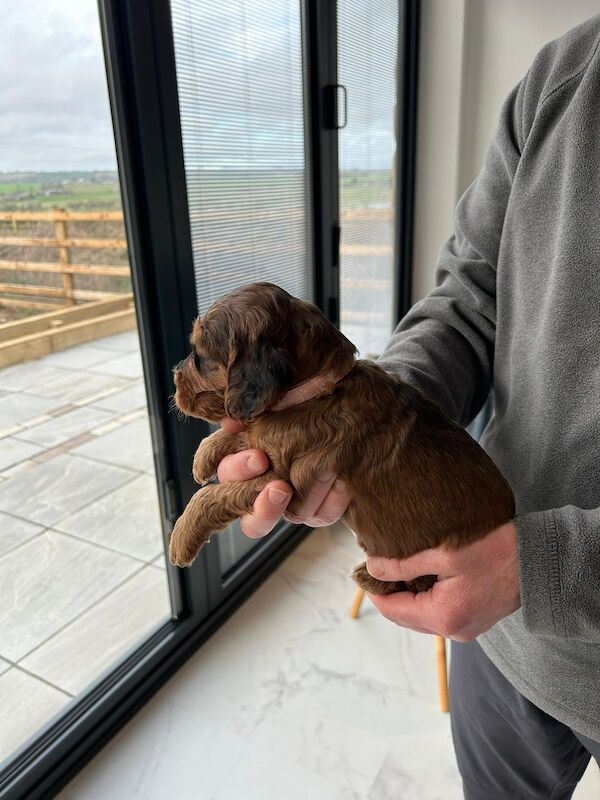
pixel 559 563
pixel 445 344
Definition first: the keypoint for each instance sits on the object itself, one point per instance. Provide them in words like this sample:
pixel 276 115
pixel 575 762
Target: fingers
pixel 317 514
pixel 242 466
pixel 427 612
pixel 231 426
pixel 268 509
pixel 437 561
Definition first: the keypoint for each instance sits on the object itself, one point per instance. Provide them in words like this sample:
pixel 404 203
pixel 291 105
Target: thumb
pixel 435 561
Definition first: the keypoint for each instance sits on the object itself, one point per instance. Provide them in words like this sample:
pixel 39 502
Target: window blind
pixel 240 84
pixel 367 53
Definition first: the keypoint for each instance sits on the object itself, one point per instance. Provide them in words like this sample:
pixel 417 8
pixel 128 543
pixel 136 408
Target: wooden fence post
pixel 64 255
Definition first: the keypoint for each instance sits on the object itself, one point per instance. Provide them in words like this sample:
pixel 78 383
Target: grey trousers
pixel 507 748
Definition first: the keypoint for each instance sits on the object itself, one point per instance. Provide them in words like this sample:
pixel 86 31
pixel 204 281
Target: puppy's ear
pixel 256 375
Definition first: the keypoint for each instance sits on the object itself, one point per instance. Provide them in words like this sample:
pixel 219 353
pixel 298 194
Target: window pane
pixel 82 576
pixel 367 51
pixel 239 74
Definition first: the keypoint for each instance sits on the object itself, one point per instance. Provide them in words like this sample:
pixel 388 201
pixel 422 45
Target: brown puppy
pixel 417 480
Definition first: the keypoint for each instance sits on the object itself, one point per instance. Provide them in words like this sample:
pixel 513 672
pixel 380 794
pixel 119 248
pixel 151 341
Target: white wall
pixel 472 53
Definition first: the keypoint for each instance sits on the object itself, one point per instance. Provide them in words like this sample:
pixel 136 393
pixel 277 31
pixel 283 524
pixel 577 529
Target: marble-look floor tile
pixel 47 583
pixel 77 386
pixel 318 699
pixel 26 704
pixel 127 520
pixel 589 786
pixel 16 408
pixel 128 365
pixel 13 451
pixel 104 634
pixel 4 665
pixel 121 342
pixel 31 373
pixel 80 356
pixel 14 531
pixel 128 399
pixel 127 446
pixel 420 766
pixel 64 427
pixel 48 491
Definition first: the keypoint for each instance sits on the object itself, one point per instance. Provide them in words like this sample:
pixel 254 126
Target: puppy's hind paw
pixel 374 586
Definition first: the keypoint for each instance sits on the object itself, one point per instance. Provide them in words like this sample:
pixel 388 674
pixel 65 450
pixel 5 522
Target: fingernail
pixel 254 464
pixel 326 477
pixel 339 486
pixel 277 497
pixel 375 567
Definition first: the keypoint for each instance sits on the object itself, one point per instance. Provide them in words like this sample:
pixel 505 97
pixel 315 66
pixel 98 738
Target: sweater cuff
pixel 539 573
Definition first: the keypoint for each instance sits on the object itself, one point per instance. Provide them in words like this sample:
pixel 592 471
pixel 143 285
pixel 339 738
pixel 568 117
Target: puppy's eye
pixel 198 363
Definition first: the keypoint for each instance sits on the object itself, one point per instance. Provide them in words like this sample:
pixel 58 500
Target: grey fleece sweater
pixel 516 309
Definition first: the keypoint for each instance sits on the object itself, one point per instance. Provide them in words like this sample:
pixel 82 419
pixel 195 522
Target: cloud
pixel 54 110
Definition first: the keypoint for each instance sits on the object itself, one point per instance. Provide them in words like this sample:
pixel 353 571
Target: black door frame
pixel 141 74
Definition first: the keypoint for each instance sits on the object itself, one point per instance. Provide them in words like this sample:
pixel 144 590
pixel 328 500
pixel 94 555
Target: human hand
pixel 477 585
pixel 325 503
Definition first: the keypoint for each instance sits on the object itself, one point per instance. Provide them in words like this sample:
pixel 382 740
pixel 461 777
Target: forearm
pixel 559 565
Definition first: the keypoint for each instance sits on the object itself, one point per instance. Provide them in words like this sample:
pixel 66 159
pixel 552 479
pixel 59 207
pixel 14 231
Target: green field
pixel 73 191
pixel 99 191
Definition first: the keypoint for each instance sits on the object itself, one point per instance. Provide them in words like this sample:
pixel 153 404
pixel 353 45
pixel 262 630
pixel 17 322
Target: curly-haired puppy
pixel 416 479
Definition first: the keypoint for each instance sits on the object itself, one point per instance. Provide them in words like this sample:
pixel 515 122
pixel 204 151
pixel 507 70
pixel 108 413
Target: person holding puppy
pixel 515 311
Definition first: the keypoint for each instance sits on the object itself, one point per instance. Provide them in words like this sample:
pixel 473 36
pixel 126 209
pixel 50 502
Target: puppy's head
pixel 250 348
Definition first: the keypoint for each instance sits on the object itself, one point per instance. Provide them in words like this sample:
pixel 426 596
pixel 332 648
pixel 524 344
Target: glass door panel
pixel 367 68
pixel 82 571
pixel 241 95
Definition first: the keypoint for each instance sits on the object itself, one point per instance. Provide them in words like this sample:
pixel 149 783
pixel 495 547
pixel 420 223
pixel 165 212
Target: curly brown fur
pixel 417 480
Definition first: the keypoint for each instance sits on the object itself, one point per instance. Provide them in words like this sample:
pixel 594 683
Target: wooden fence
pixel 72 315
pixel 47 297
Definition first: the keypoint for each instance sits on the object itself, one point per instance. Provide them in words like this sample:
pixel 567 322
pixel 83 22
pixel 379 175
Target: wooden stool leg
pixel 356 603
pixel 442 672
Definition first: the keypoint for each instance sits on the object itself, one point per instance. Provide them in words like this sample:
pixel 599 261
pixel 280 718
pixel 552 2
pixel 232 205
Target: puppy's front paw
pixel 184 544
pixel 374 586
pixel 204 468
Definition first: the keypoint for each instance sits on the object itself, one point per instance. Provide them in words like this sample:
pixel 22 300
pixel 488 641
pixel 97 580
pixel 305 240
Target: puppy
pixel 417 480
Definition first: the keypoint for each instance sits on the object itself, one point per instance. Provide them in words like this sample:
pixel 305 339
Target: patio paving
pixel 82 575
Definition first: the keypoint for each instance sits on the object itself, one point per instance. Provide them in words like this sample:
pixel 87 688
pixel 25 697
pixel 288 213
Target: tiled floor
pixel 80 535
pixel 291 699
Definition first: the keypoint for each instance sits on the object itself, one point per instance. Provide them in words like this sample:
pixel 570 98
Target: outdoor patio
pixel 80 535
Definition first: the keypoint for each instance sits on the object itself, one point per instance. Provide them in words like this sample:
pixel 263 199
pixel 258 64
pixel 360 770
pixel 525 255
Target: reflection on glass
pixel 367 51
pixel 239 75
pixel 82 576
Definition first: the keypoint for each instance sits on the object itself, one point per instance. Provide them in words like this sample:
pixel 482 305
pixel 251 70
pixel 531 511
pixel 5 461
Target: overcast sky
pixel 54 111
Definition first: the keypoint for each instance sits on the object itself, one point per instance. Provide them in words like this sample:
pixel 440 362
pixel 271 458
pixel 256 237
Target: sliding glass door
pixel 240 81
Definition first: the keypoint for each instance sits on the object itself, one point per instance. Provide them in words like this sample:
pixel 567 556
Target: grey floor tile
pixel 127 446
pixel 103 634
pixel 160 562
pixel 81 356
pixel 32 373
pixel 127 520
pixel 48 491
pixel 64 427
pixel 27 703
pixel 128 365
pixel 127 400
pixel 49 582
pixel 15 531
pixel 13 451
pixel 18 407
pixel 77 385
pixel 121 342
pixel 4 665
